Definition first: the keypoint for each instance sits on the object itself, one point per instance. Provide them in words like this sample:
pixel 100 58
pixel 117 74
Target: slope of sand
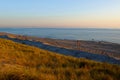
pixel 23 62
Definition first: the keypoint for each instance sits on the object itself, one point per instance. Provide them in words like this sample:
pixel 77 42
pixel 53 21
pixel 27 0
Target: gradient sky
pixel 60 13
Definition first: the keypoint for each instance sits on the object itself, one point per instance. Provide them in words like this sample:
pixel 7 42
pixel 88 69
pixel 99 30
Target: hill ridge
pixel 22 62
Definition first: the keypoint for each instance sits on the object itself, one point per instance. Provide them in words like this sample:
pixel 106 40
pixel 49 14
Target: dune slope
pixel 22 62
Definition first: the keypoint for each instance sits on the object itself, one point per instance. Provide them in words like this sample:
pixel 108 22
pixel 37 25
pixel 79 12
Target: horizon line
pixel 63 27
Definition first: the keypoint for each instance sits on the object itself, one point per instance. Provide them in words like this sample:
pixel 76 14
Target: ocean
pixel 109 35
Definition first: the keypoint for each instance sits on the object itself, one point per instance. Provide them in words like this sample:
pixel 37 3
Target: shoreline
pixel 98 51
pixel 86 34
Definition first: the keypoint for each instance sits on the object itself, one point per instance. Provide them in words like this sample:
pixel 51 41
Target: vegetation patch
pixel 22 62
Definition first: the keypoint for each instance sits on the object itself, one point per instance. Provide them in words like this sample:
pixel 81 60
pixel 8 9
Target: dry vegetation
pixel 22 62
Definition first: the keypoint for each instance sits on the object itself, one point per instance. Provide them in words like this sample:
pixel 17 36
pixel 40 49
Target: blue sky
pixel 60 13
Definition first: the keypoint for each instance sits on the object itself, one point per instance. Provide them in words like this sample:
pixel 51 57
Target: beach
pixel 95 50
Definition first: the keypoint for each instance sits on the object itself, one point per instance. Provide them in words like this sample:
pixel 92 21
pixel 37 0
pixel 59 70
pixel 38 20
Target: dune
pixel 22 62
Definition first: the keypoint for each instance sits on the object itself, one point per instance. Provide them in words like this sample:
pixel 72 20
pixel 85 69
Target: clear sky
pixel 60 13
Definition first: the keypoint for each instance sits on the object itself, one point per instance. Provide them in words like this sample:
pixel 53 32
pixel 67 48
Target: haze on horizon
pixel 60 13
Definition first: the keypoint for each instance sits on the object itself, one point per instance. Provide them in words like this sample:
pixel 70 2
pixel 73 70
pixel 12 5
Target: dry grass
pixel 22 62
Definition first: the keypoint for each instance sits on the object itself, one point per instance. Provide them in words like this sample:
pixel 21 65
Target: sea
pixel 109 35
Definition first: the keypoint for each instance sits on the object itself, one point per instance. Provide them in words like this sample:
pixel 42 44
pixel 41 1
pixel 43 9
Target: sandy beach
pixel 95 50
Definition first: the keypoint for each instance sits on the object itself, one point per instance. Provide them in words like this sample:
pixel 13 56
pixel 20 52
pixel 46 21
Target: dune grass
pixel 22 62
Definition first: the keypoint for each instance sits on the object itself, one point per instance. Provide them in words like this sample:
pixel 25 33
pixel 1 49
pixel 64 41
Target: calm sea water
pixel 110 35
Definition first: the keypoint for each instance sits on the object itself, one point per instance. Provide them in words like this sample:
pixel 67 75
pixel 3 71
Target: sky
pixel 60 13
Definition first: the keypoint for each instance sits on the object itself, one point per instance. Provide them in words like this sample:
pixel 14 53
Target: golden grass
pixel 22 62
